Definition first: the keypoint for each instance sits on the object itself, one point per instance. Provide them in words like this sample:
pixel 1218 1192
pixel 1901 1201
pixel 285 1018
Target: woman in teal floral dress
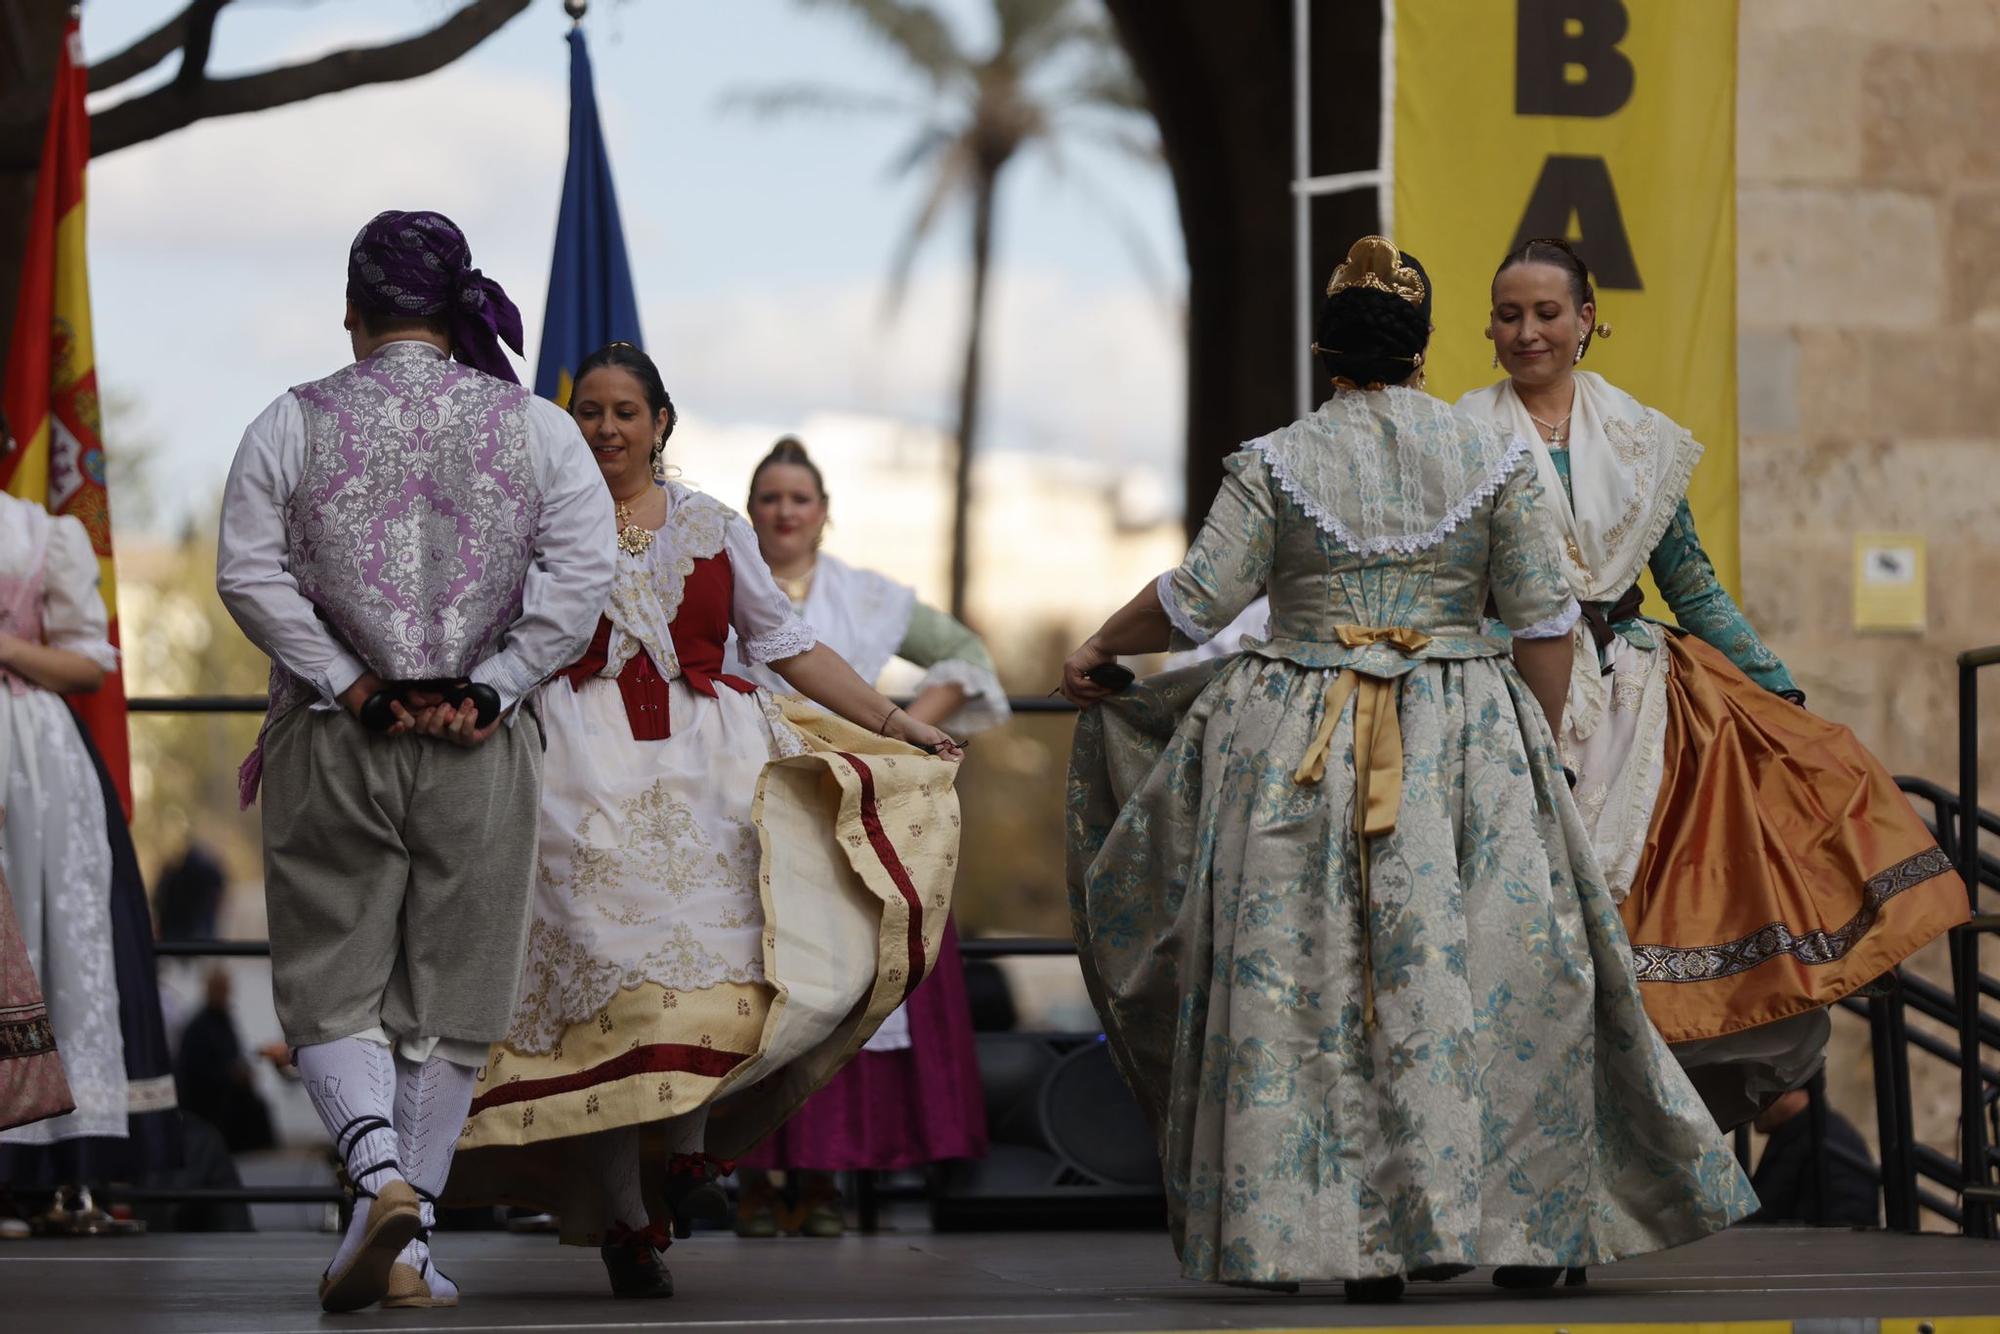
pixel 1333 900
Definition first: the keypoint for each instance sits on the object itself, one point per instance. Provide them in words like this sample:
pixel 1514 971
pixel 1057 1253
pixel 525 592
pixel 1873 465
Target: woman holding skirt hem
pixel 1334 903
pixel 1764 862
pixel 733 890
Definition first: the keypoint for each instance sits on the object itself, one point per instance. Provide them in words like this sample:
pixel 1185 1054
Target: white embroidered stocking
pixel 352 1084
pixel 432 1098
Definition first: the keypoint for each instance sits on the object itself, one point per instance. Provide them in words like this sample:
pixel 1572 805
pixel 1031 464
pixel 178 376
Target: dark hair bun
pixel 1370 336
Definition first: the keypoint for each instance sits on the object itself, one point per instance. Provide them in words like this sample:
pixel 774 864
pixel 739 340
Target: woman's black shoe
pixel 694 1192
pixel 1374 1291
pixel 632 1259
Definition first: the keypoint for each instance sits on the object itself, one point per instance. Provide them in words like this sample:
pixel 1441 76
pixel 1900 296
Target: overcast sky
pixel 759 246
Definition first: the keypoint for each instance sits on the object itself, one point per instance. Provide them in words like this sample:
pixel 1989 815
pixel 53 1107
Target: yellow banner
pixel 1609 122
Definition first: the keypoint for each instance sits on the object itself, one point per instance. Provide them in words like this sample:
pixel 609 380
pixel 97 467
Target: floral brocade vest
pixel 413 523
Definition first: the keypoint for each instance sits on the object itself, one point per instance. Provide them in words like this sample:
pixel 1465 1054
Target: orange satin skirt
pixel 1783 868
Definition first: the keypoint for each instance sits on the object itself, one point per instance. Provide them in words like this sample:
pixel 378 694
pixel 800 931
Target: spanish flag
pixel 50 394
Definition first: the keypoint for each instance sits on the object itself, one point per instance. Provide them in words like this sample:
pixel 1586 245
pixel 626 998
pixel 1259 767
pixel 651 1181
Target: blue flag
pixel 591 301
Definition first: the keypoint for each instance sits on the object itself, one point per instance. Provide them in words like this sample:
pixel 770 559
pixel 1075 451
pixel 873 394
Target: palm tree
pixel 1054 74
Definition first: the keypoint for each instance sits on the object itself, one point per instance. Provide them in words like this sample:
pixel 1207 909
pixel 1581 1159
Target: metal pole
pixel 1302 202
pixel 1978 1214
pixel 1385 150
pixel 1892 1081
pixel 1816 1133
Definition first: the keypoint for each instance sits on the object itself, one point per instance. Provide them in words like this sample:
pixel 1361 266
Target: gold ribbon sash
pixel 1378 761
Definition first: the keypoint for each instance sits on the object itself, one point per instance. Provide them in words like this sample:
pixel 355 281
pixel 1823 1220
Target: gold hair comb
pixel 1374 261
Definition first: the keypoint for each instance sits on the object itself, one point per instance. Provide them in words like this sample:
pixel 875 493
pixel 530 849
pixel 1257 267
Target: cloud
pixel 1099 371
pixel 295 181
pixel 218 257
pixel 219 252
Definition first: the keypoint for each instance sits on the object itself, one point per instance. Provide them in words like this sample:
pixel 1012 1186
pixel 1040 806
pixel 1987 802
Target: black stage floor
pixel 1825 1282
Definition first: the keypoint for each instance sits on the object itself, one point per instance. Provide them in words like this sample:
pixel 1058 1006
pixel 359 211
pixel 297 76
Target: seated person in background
pixel 213 1079
pixel 1788 1184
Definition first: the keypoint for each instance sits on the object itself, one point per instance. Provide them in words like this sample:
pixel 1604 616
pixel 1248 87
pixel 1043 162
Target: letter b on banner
pixel 1553 37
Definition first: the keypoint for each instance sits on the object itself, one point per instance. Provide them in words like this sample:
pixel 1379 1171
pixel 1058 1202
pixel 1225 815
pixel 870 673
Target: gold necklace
pixel 797 586
pixel 632 539
pixel 1558 430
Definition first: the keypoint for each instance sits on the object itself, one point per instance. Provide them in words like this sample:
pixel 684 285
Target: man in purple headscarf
pixel 417 542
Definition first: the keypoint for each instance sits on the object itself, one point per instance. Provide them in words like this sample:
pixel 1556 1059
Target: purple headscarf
pixel 410 265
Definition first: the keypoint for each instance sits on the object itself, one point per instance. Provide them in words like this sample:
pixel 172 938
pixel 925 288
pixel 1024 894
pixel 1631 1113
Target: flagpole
pixel 591 298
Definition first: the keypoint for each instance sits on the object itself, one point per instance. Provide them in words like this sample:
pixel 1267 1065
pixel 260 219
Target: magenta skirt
pixel 890 1110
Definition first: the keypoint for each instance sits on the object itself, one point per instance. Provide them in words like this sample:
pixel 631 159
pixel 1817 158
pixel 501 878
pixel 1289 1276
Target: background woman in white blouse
pixel 912 1096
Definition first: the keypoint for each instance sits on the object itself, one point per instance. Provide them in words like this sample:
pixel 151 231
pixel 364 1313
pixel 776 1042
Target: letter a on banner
pixel 1611 123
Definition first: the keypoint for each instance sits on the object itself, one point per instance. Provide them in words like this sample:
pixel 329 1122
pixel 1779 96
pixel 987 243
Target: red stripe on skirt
pixel 659 1058
pixel 885 852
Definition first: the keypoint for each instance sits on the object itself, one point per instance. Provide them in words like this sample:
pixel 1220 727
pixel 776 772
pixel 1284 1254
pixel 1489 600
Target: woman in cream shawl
pixel 1765 863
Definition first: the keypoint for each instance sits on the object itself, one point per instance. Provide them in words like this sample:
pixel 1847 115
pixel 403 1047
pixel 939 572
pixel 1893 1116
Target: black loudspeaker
pixel 1070 1147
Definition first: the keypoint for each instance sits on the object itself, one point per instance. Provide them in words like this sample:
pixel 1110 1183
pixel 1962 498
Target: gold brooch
pixel 632 539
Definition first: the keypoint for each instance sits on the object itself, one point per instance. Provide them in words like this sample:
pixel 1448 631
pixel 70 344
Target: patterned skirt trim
pixel 859 847
pixel 32 1084
pixel 1783 867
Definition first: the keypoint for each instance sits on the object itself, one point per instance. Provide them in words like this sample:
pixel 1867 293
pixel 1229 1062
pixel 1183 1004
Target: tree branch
pixel 174 107
pixel 200 39
pixel 142 55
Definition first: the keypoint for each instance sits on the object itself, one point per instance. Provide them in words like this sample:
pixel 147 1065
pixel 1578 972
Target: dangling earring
pixel 1581 343
pixel 1496 358
pixel 660 461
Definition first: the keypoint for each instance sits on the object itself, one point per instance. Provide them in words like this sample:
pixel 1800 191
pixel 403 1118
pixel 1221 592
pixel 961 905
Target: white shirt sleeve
pixel 768 627
pixel 576 555
pixel 252 561
pixel 73 616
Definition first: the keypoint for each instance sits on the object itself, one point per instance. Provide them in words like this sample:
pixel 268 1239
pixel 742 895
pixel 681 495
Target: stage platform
pixel 1823 1282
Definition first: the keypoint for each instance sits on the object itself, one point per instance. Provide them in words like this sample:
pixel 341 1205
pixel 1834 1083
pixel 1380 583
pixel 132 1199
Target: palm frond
pixel 954 175
pixel 1020 20
pixel 926 142
pixel 1034 31
pixel 1128 141
pixel 791 98
pixel 1108 84
pixel 916 32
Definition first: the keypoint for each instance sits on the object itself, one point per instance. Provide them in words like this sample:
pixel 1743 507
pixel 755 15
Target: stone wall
pixel 1868 165
pixel 1868 170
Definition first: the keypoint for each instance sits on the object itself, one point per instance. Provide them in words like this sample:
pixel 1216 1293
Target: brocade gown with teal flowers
pixel 1475 1081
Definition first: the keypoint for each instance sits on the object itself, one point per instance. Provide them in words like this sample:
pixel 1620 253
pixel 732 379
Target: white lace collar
pixel 646 593
pixel 1389 469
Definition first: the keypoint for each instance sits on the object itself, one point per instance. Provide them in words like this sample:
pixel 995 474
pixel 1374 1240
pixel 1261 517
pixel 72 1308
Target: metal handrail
pixel 1945 824
pixel 1974 1169
pixel 259 703
pixel 1930 1044
pixel 1945 799
pixel 985 947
